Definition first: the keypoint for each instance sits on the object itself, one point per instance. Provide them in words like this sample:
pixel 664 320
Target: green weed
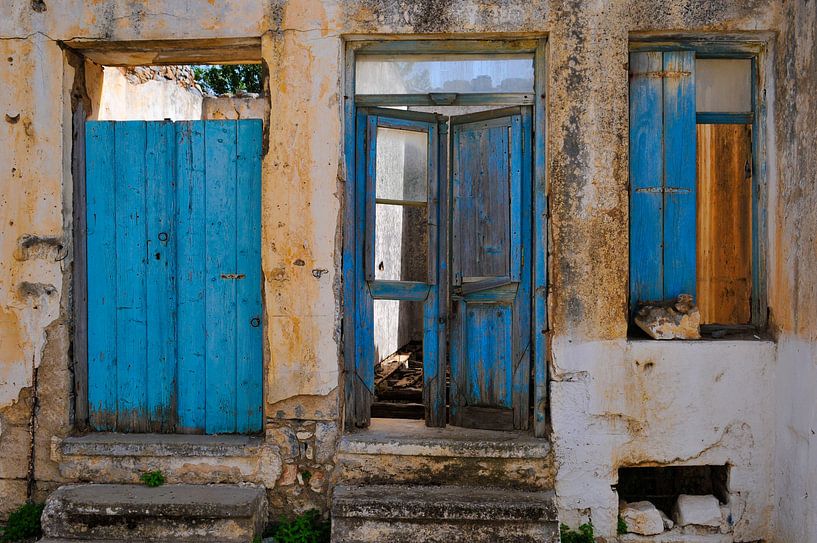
pixel 153 478
pixel 583 535
pixel 309 527
pixel 23 524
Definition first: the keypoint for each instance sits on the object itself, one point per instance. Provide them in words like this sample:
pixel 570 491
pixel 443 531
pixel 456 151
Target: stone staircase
pixel 178 513
pixel 498 486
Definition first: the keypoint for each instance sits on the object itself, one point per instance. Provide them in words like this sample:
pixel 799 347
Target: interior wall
pixel 794 259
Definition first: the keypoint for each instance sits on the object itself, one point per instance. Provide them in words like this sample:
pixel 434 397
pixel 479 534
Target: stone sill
pixel 142 445
pixel 413 438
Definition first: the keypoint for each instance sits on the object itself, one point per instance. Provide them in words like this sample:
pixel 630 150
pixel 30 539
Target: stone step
pixel 407 452
pixel 205 513
pixel 442 514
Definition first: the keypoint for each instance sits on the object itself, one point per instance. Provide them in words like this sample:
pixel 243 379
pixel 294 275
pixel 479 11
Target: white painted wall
pixel 627 403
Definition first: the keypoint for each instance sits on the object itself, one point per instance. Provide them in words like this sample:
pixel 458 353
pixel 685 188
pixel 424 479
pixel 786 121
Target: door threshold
pixel 404 437
pixel 183 445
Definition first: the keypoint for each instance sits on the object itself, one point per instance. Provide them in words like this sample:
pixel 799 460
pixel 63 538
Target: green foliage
pixel 306 476
pixel 584 535
pixel 309 527
pixel 229 78
pixel 23 523
pixel 153 478
pixel 622 526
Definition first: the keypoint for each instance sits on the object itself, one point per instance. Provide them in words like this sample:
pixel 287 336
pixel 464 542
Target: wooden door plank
pixel 249 329
pixel 131 255
pixel 724 279
pixel 101 266
pixel 515 197
pixel 220 243
pixel 522 147
pixel 680 247
pixel 190 194
pixel 646 178
pixel 540 249
pixel 160 187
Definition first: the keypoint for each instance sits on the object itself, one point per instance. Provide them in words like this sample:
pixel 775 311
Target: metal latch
pixel 232 276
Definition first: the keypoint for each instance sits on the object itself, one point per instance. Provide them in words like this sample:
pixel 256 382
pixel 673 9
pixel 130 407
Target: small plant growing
pixel 622 526
pixel 23 524
pixel 152 478
pixel 306 476
pixel 309 527
pixel 583 535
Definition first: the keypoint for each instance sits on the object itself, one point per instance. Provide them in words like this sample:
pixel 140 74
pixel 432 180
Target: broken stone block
pixel 668 524
pixel 697 511
pixel 679 319
pixel 642 518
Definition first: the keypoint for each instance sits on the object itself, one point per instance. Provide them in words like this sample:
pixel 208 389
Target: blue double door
pixel 471 177
pixel 174 276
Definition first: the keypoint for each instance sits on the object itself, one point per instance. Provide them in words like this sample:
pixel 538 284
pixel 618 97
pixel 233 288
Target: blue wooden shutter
pixel 662 175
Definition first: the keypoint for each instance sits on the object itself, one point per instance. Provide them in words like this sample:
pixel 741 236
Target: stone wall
pixel 614 402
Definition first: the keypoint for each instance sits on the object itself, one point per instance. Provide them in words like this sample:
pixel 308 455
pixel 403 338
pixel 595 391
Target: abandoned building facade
pixel 405 283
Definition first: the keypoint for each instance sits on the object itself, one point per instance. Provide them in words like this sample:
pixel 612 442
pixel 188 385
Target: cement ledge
pixel 142 445
pixel 413 438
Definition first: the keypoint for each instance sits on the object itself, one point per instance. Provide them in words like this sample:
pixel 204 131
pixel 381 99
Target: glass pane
pixel 402 165
pixel 723 85
pixel 401 243
pixel 419 74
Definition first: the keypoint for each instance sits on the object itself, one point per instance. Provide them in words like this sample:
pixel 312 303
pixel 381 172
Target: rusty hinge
pixel 232 276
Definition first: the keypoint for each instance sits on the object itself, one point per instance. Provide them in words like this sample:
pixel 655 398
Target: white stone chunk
pixel 642 518
pixel 698 511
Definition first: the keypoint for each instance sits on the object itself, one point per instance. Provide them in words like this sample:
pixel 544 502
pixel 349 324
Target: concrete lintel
pixel 112 444
pixel 414 438
pixel 157 52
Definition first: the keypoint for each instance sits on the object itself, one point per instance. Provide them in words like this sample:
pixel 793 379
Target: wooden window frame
pixel 754 48
pixel 354 406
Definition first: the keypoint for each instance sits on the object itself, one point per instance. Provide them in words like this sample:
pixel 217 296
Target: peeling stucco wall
pixel 795 261
pixel 614 402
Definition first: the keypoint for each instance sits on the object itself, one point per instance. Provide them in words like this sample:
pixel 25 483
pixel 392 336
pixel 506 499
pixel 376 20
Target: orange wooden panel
pixel 724 276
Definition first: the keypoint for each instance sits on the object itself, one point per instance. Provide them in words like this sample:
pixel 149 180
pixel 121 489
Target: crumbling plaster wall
pixel 613 402
pixel 794 290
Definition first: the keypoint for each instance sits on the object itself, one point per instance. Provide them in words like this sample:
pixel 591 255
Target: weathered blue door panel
pixel 174 310
pixel 662 176
pixel 491 280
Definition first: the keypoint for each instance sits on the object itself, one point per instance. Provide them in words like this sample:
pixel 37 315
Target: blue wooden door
pixel 490 268
pixel 174 276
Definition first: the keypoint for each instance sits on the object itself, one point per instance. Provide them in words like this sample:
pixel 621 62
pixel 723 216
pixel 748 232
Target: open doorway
pixel 444 211
pixel 168 286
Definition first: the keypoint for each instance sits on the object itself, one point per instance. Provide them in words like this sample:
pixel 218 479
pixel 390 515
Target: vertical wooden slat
pixel 249 329
pixel 370 191
pixel 435 390
pixel 131 254
pixel 515 197
pixel 191 253
pixel 364 339
pixel 646 178
pixel 80 269
pixel 432 348
pixel 351 128
pixel 101 246
pixel 522 313
pixel 160 186
pixel 724 280
pixel 220 227
pixel 679 174
pixel 540 249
